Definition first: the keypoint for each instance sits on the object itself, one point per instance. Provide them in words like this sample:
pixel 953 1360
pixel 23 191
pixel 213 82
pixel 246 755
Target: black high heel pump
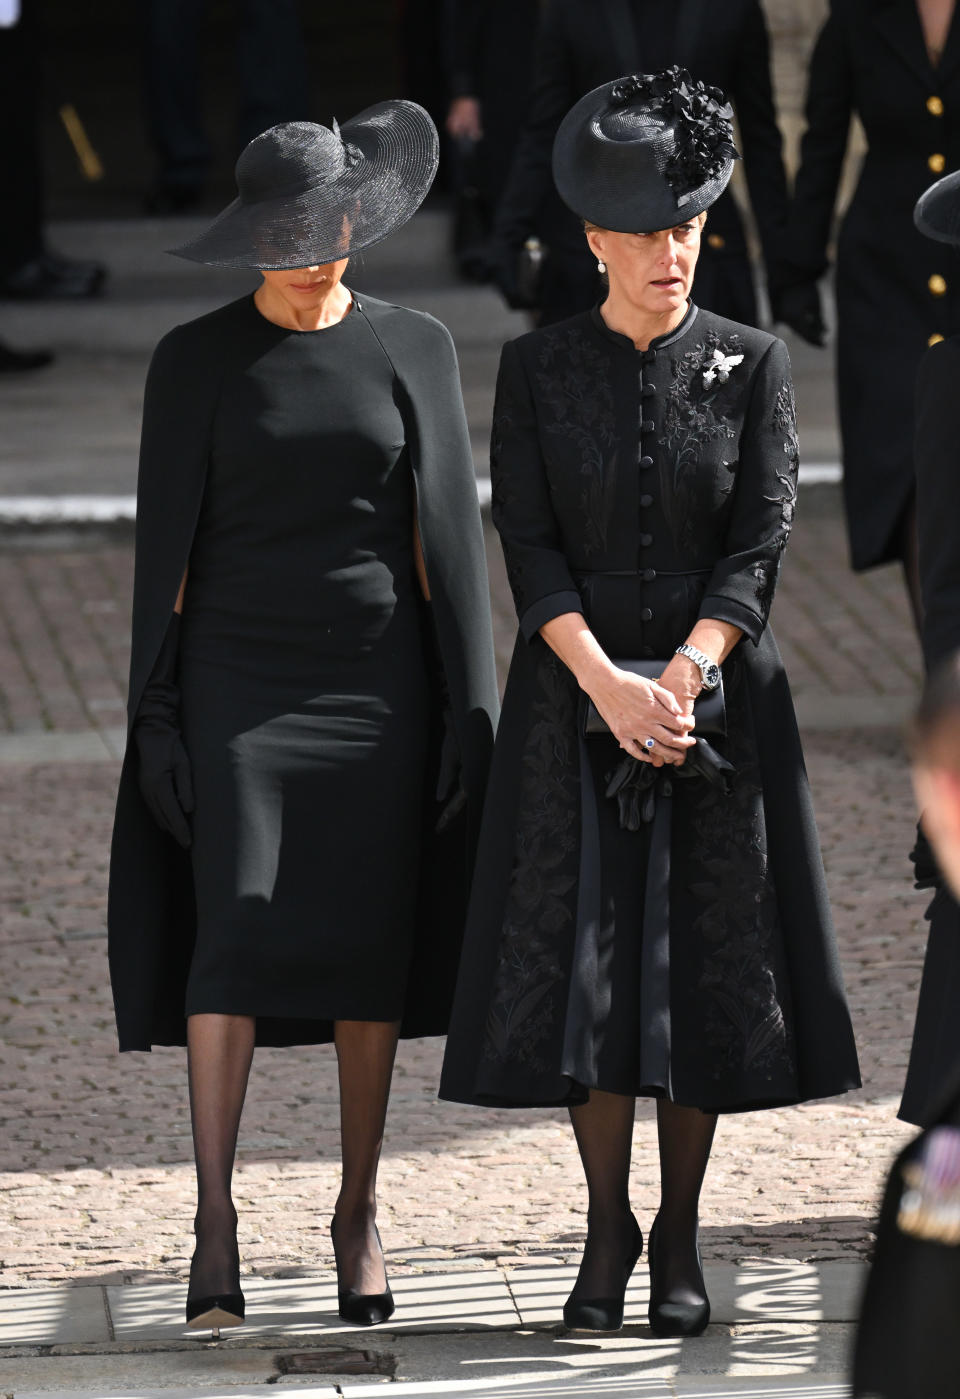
pixel 361 1308
pixel 604 1313
pixel 218 1312
pixel 675 1318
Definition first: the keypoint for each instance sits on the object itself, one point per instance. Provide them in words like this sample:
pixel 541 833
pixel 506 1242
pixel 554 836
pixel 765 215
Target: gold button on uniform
pixel 935 106
pixel 716 240
pixel 937 284
pixel 936 162
pixel 935 338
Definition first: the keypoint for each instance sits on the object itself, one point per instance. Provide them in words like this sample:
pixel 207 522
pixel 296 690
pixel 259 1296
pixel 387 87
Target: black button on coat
pixel 151 913
pixel 754 1011
pixel 870 59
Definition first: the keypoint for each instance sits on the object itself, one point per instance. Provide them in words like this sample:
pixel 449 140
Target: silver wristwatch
pixel 709 670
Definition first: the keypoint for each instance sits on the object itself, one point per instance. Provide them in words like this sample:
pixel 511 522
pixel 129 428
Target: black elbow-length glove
pixel 164 776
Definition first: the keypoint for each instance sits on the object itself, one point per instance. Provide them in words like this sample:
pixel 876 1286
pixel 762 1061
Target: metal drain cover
pixel 339 1361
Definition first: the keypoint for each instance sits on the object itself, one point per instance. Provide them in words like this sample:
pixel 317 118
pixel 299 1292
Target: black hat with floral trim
pixel 646 152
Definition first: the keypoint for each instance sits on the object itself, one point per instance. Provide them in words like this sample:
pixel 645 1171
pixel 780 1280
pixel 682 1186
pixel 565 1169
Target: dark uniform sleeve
pixel 937 457
pixel 743 582
pixel 752 94
pixel 543 587
pixel 464 29
pixel 822 151
pixel 554 92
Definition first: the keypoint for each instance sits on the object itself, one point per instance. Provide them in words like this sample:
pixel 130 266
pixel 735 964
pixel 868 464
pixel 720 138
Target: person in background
pixel 489 82
pixel 29 269
pixel 907 1337
pixel 581 46
pixel 271 70
pixel 896 65
pixel 935 1052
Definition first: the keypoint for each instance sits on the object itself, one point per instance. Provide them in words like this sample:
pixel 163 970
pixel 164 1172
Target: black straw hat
pixel 937 211
pixel 309 194
pixel 645 152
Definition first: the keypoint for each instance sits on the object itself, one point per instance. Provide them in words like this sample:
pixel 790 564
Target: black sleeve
pixel 464 23
pixel 937 459
pixel 743 582
pixel 752 94
pixel 553 93
pixel 543 587
pixel 822 151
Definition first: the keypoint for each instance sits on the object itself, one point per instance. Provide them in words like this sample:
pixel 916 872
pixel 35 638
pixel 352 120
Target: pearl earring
pixel 601 268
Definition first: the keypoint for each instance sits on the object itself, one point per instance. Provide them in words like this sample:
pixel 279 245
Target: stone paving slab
pixel 774 1291
pixel 594 1388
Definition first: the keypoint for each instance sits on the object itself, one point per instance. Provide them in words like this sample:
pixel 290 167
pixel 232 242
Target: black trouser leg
pixel 172 92
pixel 21 227
pixel 271 67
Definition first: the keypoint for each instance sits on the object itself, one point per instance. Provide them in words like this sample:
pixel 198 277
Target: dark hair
pixel 934 732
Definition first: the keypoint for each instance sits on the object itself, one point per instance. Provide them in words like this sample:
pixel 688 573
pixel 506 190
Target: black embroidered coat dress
pixel 581 46
pixel 646 489
pixel 284 468
pixel 897 291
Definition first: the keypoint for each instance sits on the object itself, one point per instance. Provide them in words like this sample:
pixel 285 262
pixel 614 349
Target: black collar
pixel 660 342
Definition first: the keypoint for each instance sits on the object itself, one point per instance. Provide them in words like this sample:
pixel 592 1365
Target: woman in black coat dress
pixel 293 840
pixel 896 64
pixel 580 46
pixel 649 916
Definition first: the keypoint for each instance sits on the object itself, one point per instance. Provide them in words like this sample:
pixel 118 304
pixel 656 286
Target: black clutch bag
pixel 709 710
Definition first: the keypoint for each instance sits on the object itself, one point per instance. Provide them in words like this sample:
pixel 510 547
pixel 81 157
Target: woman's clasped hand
pixel 636 709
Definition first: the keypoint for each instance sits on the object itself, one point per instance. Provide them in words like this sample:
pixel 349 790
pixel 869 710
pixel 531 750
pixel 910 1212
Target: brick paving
pixel 95 1179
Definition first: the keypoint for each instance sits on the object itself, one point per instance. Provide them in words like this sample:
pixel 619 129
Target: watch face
pixel 711 677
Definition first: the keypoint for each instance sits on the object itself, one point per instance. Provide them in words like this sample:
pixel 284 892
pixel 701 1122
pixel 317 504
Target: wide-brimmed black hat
pixel 309 194
pixel 937 211
pixel 645 152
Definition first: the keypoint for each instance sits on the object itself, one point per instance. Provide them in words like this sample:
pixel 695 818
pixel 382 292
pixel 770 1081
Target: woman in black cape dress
pixel 896 292
pixel 309 736
pixel 677 945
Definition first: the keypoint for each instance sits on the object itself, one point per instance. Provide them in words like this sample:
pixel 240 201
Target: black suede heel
pixel 362 1308
pixel 603 1313
pixel 675 1318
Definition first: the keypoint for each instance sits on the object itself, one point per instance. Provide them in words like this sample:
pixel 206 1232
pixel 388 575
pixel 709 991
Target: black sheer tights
pixel 219 1055
pixel 603 1127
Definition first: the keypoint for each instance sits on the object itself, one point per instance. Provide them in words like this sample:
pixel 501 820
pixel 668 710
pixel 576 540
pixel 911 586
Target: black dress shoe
pixel 216 1313
pixel 362 1308
pixel 670 1318
pixel 15 361
pixel 48 277
pixel 604 1313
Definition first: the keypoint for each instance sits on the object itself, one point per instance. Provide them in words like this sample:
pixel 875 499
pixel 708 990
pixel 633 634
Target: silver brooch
pixel 718 367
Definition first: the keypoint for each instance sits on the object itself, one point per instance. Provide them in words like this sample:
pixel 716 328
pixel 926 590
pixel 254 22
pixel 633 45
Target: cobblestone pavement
pixel 95 1179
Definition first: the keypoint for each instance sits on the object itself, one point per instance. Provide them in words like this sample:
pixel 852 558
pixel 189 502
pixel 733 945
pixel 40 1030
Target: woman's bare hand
pixel 637 710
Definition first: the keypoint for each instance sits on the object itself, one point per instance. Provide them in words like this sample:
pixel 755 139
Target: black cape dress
pixel 897 291
pixel 694 958
pixel 283 468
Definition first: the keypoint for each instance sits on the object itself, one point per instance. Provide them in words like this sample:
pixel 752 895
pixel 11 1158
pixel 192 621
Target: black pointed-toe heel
pixel 603 1313
pixel 362 1308
pixel 216 1313
pixel 675 1318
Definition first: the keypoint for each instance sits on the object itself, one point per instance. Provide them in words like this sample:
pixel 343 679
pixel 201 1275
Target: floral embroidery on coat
pixel 745 1023
pixel 767 570
pixel 541 903
pixel 693 417
pixel 573 385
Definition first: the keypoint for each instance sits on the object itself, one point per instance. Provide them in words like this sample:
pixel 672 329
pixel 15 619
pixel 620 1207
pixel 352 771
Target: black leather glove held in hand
pixel 166 784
